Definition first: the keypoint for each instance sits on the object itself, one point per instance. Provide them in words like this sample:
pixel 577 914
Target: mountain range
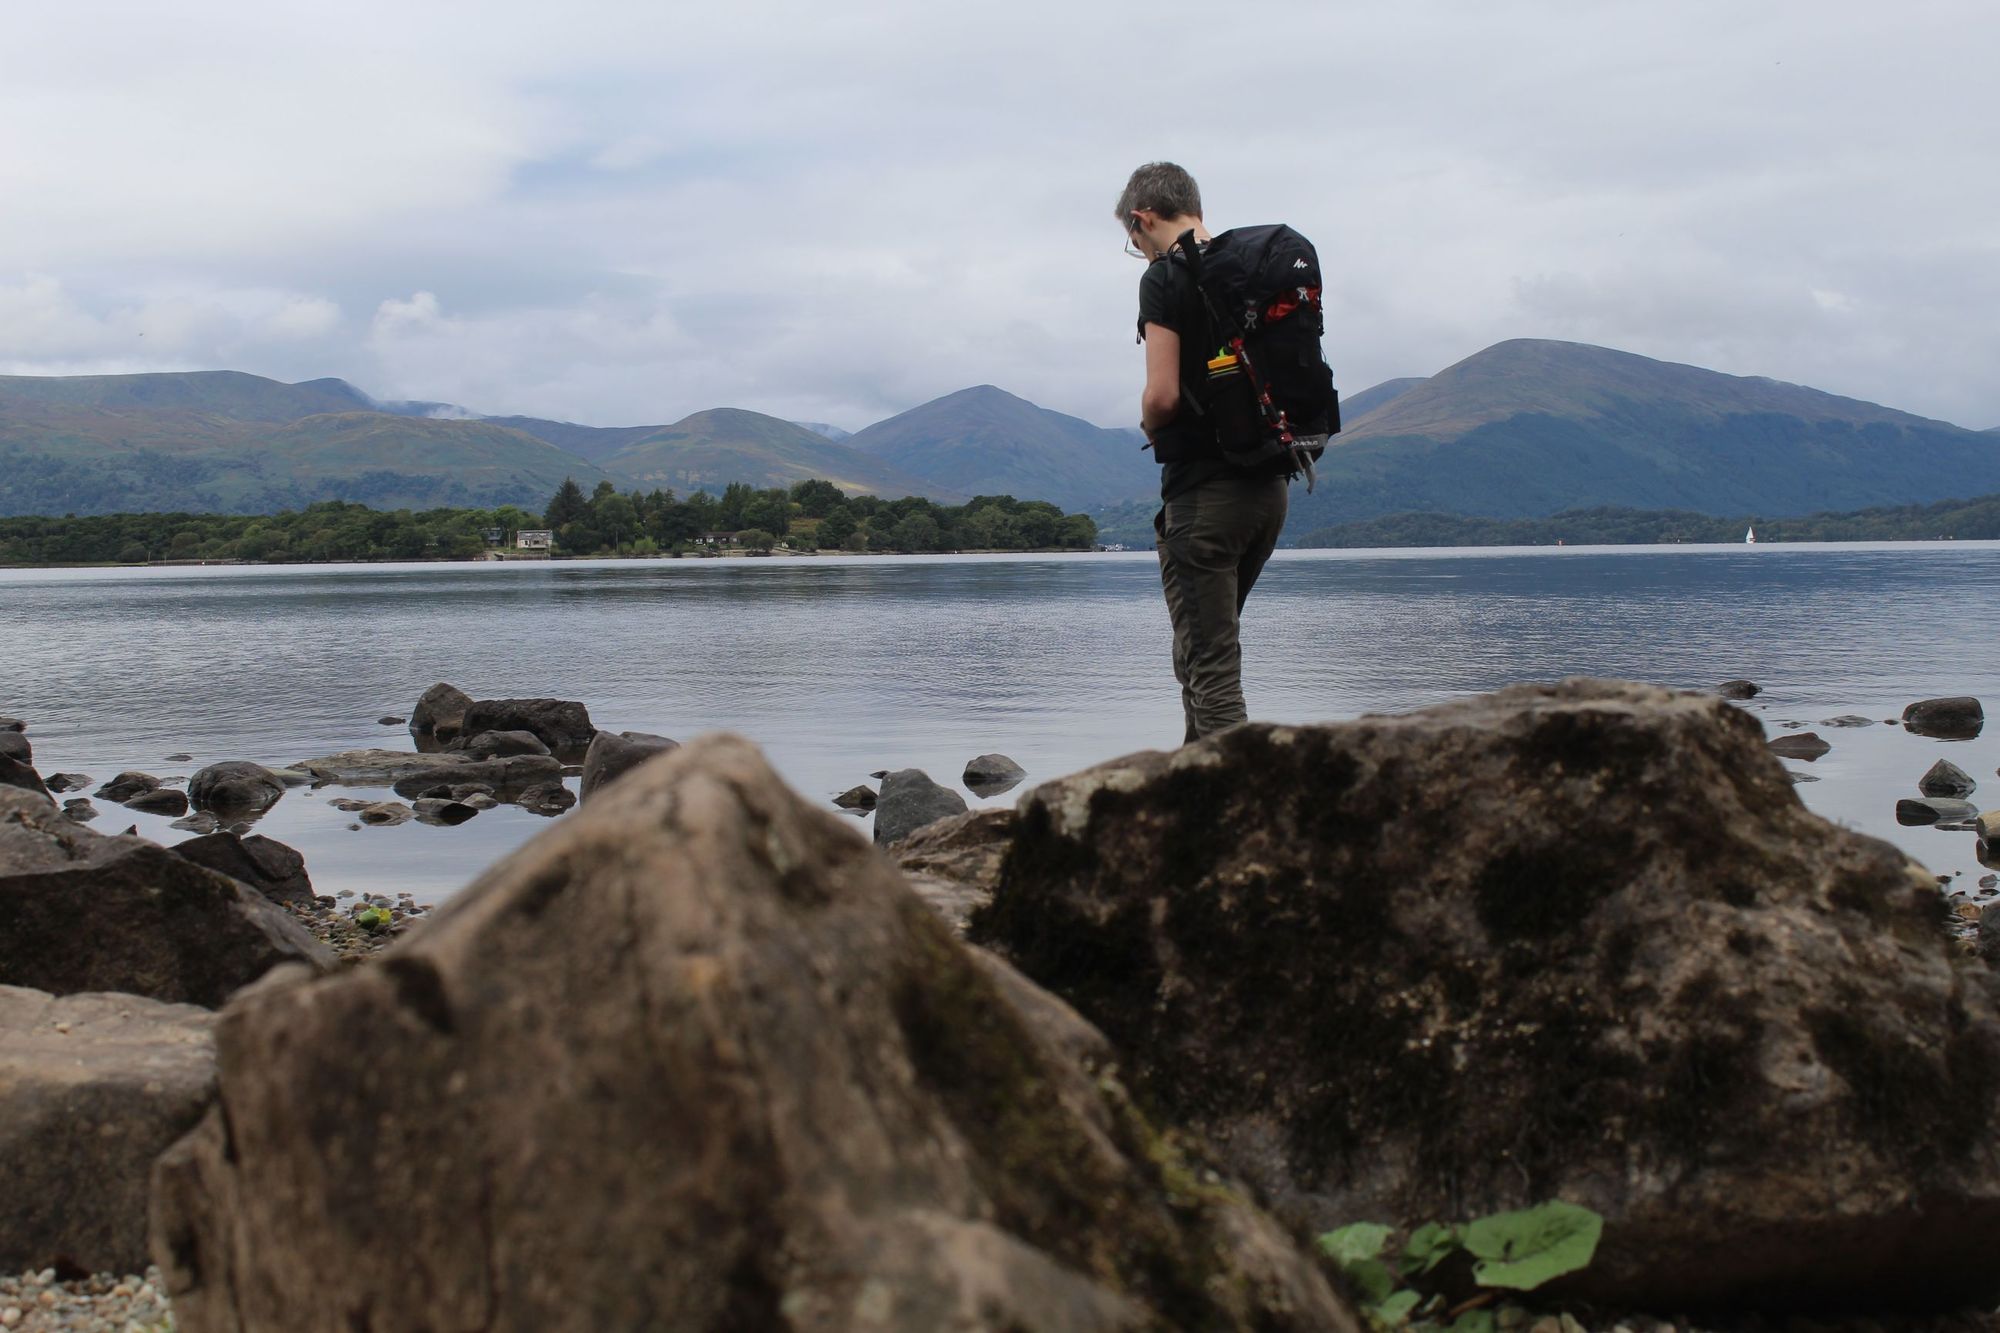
pixel 1525 428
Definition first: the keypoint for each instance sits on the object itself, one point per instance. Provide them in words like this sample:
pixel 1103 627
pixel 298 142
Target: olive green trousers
pixel 1213 541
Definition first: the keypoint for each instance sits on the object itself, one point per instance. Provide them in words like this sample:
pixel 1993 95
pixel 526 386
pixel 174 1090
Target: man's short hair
pixel 1163 188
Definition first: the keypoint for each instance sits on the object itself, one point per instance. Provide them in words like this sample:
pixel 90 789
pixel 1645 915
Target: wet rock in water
pixel 15 745
pixel 92 1089
pixel 477 801
pixel 62 782
pixel 386 813
pixel 1946 779
pixel 954 863
pixel 1577 941
pixel 83 912
pixel 560 724
pixel 546 798
pixel 1849 720
pixel 235 787
pixel 1806 745
pixel 391 720
pixel 265 864
pixel 908 801
pixel 879 774
pixel 1934 810
pixel 1739 689
pixel 349 804
pixel 125 786
pixel 440 711
pixel 991 774
pixel 159 801
pixel 443 812
pixel 18 776
pixel 1987 825
pixel 177 758
pixel 856 798
pixel 1959 717
pixel 79 809
pixel 199 822
pixel 497 744
pixel 374 768
pixel 872 1126
pixel 1797 777
pixel 610 755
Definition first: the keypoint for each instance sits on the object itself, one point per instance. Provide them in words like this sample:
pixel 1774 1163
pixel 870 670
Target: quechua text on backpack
pixel 1269 395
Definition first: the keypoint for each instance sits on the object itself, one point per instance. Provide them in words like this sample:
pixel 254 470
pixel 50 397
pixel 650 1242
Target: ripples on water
pixel 841 666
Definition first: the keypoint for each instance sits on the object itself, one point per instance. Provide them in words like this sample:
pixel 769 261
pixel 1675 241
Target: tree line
pixel 812 515
pixel 1976 519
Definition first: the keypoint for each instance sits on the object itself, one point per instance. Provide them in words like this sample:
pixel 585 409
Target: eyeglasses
pixel 1131 228
pixel 1133 250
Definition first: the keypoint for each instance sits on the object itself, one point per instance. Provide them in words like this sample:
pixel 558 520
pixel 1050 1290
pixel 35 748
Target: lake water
pixel 840 666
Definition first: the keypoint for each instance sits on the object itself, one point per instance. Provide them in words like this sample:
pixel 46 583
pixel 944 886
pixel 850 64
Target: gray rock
pixel 199 822
pixel 443 812
pixel 17 776
pixel 1959 717
pixel 497 744
pixel 235 787
pixel 380 768
pixel 92 1089
pixel 611 755
pixel 125 786
pixel 856 798
pixel 872 1127
pixel 265 864
pixel 1946 779
pixel 504 777
pixel 159 801
pixel 440 711
pixel 386 813
pixel 1935 810
pixel 954 864
pixel 991 774
pixel 1578 941
pixel 178 758
pixel 546 798
pixel 61 782
pixel 561 724
pixel 12 724
pixel 1739 689
pixel 15 745
pixel 391 720
pixel 84 912
pixel 1849 720
pixel 80 809
pixel 908 801
pixel 1806 745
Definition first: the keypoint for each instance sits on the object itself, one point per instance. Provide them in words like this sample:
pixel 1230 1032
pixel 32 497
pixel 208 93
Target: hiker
pixel 1225 466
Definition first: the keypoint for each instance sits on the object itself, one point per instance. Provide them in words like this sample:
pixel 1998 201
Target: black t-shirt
pixel 1169 298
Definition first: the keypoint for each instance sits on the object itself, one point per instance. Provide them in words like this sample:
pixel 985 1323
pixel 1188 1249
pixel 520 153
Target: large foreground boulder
pixel 92 1089
pixel 561 724
pixel 84 912
pixel 1576 941
pixel 695 1059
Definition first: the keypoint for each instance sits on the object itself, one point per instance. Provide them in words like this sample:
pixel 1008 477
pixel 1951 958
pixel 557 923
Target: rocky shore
pixel 1109 1059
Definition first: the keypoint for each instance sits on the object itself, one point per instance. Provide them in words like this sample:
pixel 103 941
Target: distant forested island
pixel 1976 519
pixel 810 515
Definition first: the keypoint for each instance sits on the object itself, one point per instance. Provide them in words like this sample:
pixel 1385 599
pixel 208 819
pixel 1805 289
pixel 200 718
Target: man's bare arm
pixel 1162 396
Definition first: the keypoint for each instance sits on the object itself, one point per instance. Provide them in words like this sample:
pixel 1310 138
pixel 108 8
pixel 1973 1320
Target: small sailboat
pixel 1750 536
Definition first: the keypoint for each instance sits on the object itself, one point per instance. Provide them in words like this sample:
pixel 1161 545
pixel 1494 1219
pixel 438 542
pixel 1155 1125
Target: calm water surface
pixel 842 666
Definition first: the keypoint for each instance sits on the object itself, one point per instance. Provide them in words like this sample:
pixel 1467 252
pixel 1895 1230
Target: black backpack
pixel 1269 395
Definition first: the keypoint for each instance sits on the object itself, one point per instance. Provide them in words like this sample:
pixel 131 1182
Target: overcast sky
pixel 620 214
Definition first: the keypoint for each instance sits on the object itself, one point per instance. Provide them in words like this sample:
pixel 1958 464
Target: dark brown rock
pixel 125 786
pixel 84 912
pixel 497 744
pixel 1739 689
pixel 265 864
pixel 1935 810
pixel 1959 717
pixel 22 777
pixel 1806 745
pixel 440 711
pixel 443 811
pixel 1945 778
pixel 12 724
pixel 235 787
pixel 159 801
pixel 15 745
pixel 908 801
pixel 546 798
pixel 954 863
pixel 856 798
pixel 769 1090
pixel 61 782
pixel 991 774
pixel 612 754
pixel 92 1089
pixel 1576 941
pixel 561 724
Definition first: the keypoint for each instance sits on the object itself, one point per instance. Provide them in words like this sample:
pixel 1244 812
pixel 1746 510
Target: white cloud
pixel 623 214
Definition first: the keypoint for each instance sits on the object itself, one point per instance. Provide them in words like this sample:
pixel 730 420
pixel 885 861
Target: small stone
pixel 178 758
pixel 63 1028
pixel 1989 881
pixel 1806 745
pixel 1968 911
pixel 1849 720
pixel 856 798
pixel 10 1316
pixel 391 720
pixel 1935 810
pixel 1946 779
pixel 1957 718
pixel 1739 689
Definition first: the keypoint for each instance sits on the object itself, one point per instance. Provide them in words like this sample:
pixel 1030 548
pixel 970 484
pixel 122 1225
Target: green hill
pixel 595 443
pixel 711 449
pixel 1356 406
pixel 985 441
pixel 1530 428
